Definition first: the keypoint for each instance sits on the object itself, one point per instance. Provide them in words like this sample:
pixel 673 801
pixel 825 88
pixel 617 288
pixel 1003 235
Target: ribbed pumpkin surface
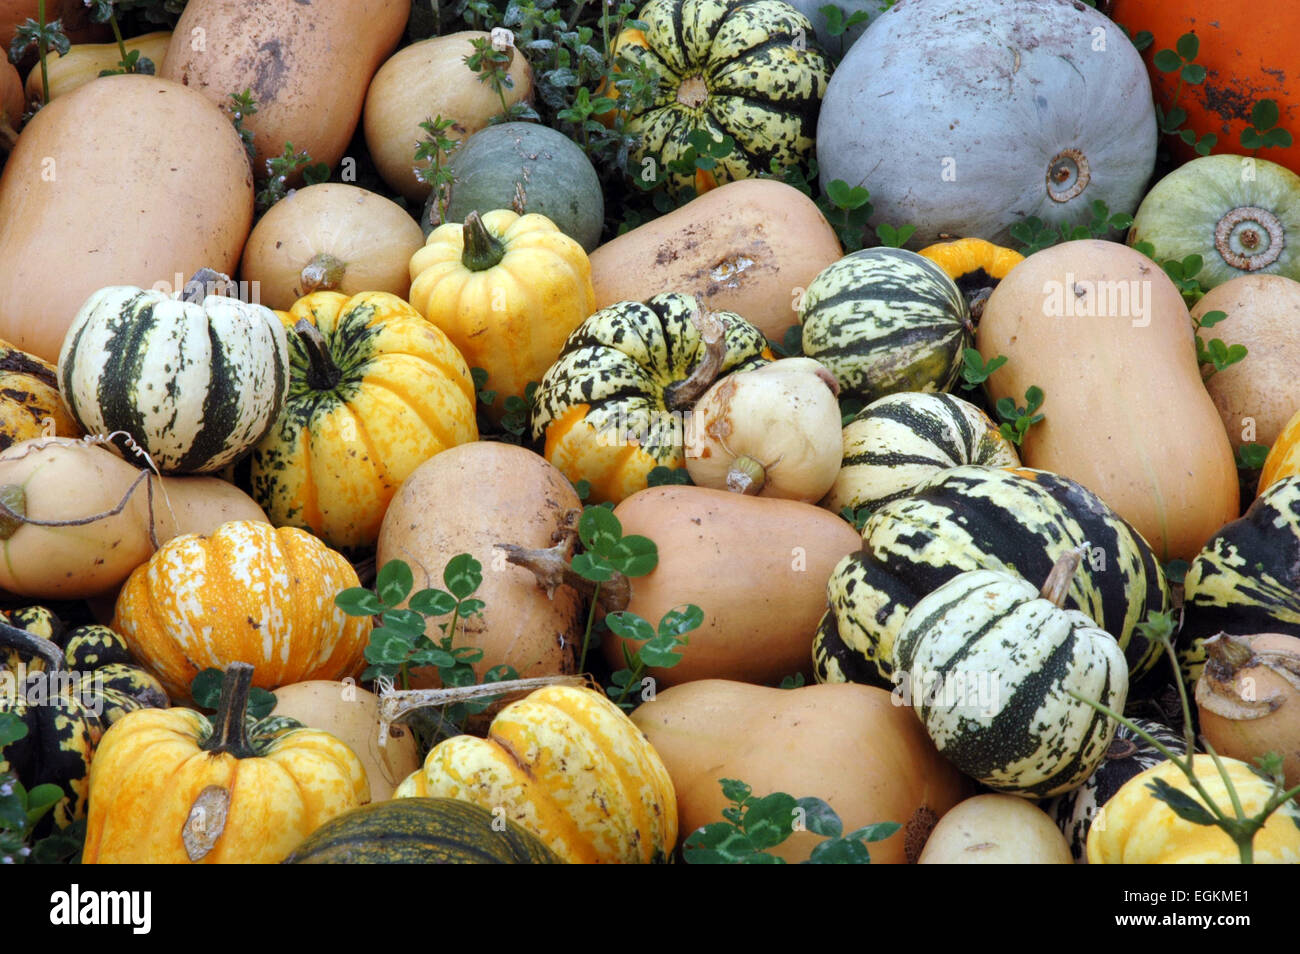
pixel 729 69
pixel 606 406
pixel 901 440
pixel 399 392
pixel 29 393
pixel 1010 660
pixel 1127 755
pixel 885 320
pixel 195 385
pixel 1247 578
pixel 421 831
pixel 970 518
pixel 1283 457
pixel 246 592
pixel 567 765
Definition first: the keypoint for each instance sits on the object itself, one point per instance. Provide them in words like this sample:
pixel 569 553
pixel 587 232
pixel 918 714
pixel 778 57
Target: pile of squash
pixel 922 603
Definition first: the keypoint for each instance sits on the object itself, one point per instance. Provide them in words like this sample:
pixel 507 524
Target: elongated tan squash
pixel 128 180
pixel 1105 334
pixel 750 247
pixel 756 566
pixel 84 61
pixel 307 65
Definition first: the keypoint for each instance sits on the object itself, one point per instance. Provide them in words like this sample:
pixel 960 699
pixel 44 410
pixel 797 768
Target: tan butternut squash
pixel 846 743
pixel 467 500
pixel 330 237
pixel 306 64
pixel 12 105
pixel 750 247
pixel 128 180
pixel 1104 332
pixel 84 61
pixel 756 566
pixel 1257 395
pixel 425 80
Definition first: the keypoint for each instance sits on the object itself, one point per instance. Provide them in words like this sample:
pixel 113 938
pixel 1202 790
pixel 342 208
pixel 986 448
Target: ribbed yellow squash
pixel 1134 828
pixel 29 397
pixel 173 787
pixel 374 392
pixel 1284 456
pixel 507 289
pixel 566 764
pixel 244 592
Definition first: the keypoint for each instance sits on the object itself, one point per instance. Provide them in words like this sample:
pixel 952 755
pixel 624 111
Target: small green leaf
pixel 433 602
pixel 820 818
pixel 462 575
pixel 1264 115
pixel 845 196
pixel 589 566
pixel 876 832
pixel 662 651
pixel 629 626
pixel 769 820
pixel 599 530
pixel 1188 46
pixel 1193 73
pixel 1182 804
pixel 468 608
pixel 734 790
pixel 795 681
pixel 358 601
pixel 1166 61
pixel 1211 318
pixel 840 851
pixel 12 728
pixel 634 555
pixel 260 702
pixel 393 582
pixel 681 620
pixel 205 688
pixel 1252 456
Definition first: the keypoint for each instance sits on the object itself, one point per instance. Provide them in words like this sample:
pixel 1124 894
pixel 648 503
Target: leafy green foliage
pixel 791 343
pixel 242 105
pixel 493 68
pixel 894 237
pixel 205 690
pixel 974 370
pixel 662 476
pixel 606 552
pixel 847 208
pixel 857 517
pixel 1263 131
pixel 1034 234
pixel 20 809
pixel 1016 421
pixel 279 169
pixel 793 681
pixel 1251 456
pixel 1181 60
pixel 661 647
pixel 435 149
pixel 1214 353
pixel 754 824
pixel 837 24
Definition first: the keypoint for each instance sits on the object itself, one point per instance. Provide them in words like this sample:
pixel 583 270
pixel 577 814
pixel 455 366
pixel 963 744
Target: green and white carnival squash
pixel 965 117
pixel 421 831
pixel 68 685
pixel 749 70
pixel 195 381
pixel 1240 214
pixel 901 440
pixel 617 401
pixel 991 664
pixel 1246 579
pixel 884 320
pixel 1127 755
pixel 981 518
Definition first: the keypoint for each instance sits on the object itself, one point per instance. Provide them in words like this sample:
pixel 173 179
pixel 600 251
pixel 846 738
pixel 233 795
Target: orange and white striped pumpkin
pixel 246 592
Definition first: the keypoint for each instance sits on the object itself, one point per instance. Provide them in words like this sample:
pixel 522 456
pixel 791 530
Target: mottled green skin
pixel 428 831
pixel 763 81
pixel 885 320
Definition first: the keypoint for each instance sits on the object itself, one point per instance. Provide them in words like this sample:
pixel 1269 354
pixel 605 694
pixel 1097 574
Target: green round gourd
pixel 884 320
pixel 440 831
pixel 1241 215
pixel 497 165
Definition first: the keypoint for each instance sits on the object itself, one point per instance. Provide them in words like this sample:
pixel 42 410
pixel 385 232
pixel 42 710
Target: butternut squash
pixel 846 743
pixel 84 61
pixel 1105 334
pixel 12 105
pixel 128 180
pixel 306 64
pixel 750 247
pixel 424 80
pixel 756 566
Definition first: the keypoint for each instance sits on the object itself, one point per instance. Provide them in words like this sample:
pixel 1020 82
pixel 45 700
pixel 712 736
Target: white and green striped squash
pixel 1246 579
pixel 885 320
pixel 1127 755
pixel 901 440
pixel 998 662
pixel 196 385
pixel 983 518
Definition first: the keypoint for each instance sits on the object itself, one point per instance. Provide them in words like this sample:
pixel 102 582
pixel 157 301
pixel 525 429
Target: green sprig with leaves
pixel 279 169
pixel 46 36
pixel 1016 420
pixel 1181 60
pixel 432 154
pixel 661 648
pixel 1213 356
pixel 20 809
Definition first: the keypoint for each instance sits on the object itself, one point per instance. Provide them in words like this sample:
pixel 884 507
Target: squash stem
pixel 322 373
pixel 229 733
pixel 552 570
pixel 682 395
pixel 206 281
pixel 323 273
pixel 482 249
pixel 746 476
pixel 11 637
pixel 1058 581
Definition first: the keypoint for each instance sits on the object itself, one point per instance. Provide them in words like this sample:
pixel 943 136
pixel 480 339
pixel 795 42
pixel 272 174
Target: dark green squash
pixel 971 518
pixel 94 681
pixel 528 168
pixel 429 831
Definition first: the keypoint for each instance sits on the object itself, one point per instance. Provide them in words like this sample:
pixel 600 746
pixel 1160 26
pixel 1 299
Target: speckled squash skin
pixel 393 393
pixel 1141 830
pixel 244 592
pixel 567 765
pixel 29 393
pixel 751 71
pixel 156 795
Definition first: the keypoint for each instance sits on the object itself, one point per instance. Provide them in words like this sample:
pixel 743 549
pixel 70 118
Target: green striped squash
pixel 885 320
pixel 745 69
pixel 423 831
pixel 1247 578
pixel 617 402
pixel 991 664
pixel 982 518
pixel 901 440
pixel 195 385
pixel 1127 755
